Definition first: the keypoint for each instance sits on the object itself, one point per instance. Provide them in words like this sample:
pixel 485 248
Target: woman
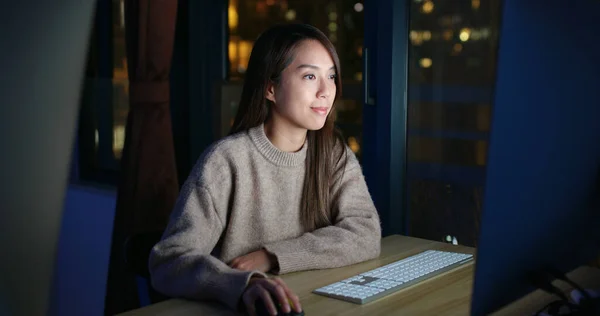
pixel 281 193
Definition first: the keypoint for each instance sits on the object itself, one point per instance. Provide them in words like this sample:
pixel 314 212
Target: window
pixel 452 61
pixel 120 79
pixel 105 97
pixel 341 20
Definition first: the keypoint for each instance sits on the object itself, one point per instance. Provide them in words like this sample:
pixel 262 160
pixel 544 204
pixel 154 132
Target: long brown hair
pixel 273 51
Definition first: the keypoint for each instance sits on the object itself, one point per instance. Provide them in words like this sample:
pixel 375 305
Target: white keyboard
pixel 380 282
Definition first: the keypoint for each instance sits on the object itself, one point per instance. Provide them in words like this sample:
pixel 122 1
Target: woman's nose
pixel 324 90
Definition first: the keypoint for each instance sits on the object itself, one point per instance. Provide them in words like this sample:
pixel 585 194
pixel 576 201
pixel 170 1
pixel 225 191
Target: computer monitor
pixel 541 207
pixel 42 61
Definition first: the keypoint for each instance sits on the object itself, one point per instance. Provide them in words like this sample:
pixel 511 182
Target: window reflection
pixel 452 61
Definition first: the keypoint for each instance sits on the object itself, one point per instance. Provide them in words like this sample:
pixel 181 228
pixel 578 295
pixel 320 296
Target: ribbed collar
pixel 274 154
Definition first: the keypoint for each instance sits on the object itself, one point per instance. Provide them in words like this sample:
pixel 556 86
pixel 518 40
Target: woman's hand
pixel 264 289
pixel 259 260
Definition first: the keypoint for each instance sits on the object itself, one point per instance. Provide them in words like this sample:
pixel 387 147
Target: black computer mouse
pixel 261 308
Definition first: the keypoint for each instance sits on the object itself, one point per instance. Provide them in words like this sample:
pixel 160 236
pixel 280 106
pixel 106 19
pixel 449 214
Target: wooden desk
pixel 446 294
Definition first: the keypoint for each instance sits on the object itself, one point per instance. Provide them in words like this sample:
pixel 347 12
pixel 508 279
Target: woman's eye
pixel 310 77
pixel 333 76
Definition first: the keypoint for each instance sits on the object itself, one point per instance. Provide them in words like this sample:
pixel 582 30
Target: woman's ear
pixel 270 95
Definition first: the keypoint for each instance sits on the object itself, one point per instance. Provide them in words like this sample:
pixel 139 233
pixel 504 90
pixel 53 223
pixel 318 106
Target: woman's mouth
pixel 320 110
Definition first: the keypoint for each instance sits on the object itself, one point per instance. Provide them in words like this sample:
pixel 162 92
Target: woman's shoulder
pixel 228 146
pixel 220 156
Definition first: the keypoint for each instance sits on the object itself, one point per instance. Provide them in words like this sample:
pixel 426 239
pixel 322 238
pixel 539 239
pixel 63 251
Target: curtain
pixel 149 186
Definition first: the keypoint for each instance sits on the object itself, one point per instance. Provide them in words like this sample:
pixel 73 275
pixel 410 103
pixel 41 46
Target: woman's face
pixel 304 96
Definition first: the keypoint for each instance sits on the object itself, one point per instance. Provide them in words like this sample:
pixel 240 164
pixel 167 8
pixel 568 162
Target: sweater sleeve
pixel 355 236
pixel 181 264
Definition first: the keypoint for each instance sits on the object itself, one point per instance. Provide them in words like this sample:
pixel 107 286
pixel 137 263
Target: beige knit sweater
pixel 243 195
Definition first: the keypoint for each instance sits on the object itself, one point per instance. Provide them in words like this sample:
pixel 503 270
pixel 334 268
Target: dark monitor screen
pixel 41 69
pixel 541 205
